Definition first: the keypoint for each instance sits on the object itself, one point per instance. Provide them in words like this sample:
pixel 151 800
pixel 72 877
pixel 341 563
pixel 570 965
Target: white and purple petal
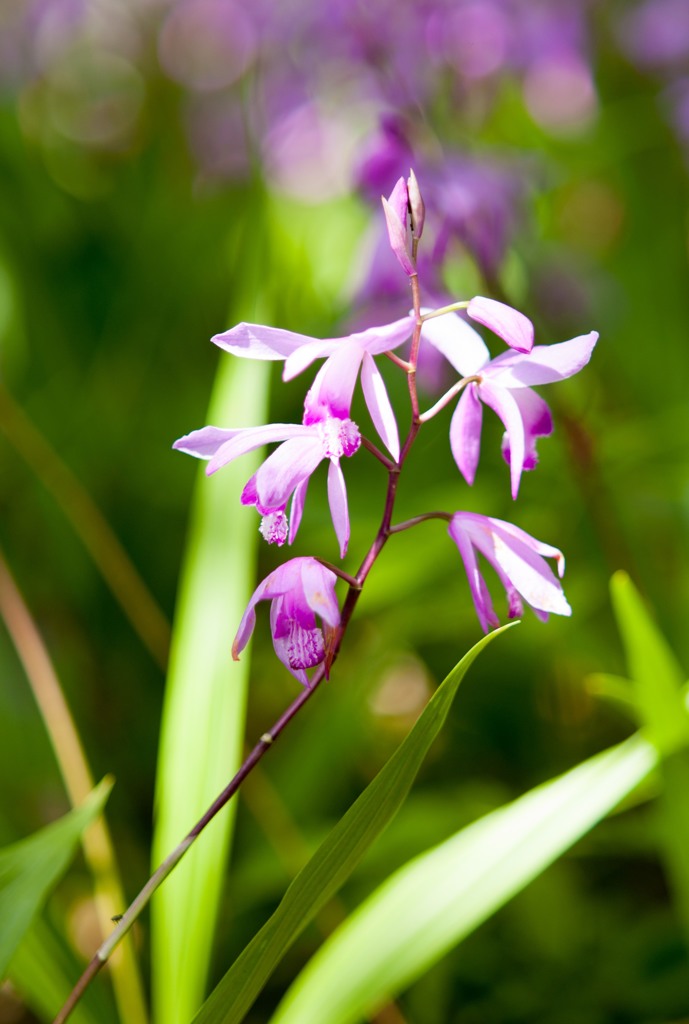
pixel 517 558
pixel 508 323
pixel 288 465
pixel 245 440
pixel 379 406
pixel 465 433
pixel 337 500
pixel 457 340
pixel 477 584
pixel 537 421
pixel 502 402
pixel 204 443
pixel 256 341
pixel 545 364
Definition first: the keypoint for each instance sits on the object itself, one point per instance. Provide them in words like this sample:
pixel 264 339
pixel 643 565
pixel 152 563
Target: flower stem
pixel 415 520
pixel 356 583
pixel 447 397
pixel 452 308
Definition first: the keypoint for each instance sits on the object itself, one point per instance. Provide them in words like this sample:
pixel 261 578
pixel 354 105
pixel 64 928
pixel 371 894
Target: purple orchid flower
pixel 518 559
pixel 299 590
pixel 504 384
pixel 333 387
pixel 285 473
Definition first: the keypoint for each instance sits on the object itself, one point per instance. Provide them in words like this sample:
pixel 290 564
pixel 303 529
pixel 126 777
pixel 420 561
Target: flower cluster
pixel 303 588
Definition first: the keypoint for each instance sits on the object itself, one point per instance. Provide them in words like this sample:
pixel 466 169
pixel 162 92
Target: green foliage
pixel 660 701
pixel 336 858
pixel 203 724
pixel 30 869
pixel 436 900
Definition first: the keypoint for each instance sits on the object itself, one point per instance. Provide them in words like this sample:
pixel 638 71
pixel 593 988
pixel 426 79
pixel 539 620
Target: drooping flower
pixel 504 384
pixel 299 590
pixel 518 559
pixel 285 473
pixel 334 384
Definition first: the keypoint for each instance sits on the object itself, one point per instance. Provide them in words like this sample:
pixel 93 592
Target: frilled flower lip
pixel 519 561
pixel 300 590
pixel 504 385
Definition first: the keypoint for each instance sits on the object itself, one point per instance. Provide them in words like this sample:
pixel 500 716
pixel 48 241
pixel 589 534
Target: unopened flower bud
pixel 416 205
pixel 396 209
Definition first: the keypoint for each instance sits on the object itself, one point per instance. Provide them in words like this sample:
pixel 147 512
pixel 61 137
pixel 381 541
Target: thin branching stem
pixel 447 397
pixel 333 645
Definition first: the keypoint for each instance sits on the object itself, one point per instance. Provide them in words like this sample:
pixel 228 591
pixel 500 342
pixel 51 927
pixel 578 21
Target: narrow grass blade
pixel 335 860
pixel 203 717
pixel 30 868
pixel 440 897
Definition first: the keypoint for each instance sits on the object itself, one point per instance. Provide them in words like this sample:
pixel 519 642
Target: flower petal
pixel 337 499
pixel 276 582
pixel 333 386
pixel 374 340
pixel 379 407
pixel 545 364
pixel 396 219
pixel 314 348
pixel 528 571
pixel 249 438
pixel 502 402
pixel 461 345
pixel 537 421
pixel 477 584
pixel 255 341
pixel 545 550
pixel 508 323
pixel 319 591
pixel 297 508
pixel 281 643
pixel 204 443
pixel 289 464
pixel 465 433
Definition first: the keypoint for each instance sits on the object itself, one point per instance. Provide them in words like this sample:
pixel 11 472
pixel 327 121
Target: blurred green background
pixel 121 253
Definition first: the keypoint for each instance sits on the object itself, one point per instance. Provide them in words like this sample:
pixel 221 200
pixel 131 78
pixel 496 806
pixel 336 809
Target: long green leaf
pixel 658 679
pixel 203 717
pixel 437 899
pixel 336 858
pixel 30 868
pixel 660 699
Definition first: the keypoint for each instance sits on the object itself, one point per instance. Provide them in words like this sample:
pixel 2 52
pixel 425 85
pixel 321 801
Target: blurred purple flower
pixel 656 33
pixel 519 561
pixel 299 590
pixel 387 154
pixel 207 44
pixel 333 387
pixel 504 385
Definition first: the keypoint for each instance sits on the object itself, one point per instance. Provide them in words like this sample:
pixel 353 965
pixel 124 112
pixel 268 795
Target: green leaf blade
pixel 658 679
pixel 32 867
pixel 336 858
pixel 439 898
pixel 203 718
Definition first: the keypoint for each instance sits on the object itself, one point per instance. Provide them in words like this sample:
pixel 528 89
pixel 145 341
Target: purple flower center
pixel 273 527
pixel 305 647
pixel 339 437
